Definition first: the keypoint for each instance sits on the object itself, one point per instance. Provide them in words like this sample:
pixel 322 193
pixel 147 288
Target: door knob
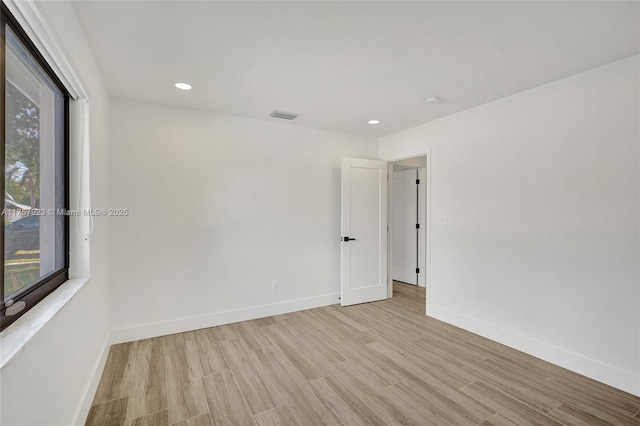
pixel 346 239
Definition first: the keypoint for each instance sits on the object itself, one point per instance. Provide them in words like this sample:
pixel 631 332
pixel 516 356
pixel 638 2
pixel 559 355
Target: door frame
pixel 427 240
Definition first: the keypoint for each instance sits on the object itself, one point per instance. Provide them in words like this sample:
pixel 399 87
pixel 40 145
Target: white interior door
pixel 364 231
pixel 404 217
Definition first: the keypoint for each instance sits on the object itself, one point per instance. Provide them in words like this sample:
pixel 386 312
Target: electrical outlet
pixel 275 285
pixel 444 222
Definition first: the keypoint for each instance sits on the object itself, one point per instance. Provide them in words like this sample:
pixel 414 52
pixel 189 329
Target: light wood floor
pixel 371 364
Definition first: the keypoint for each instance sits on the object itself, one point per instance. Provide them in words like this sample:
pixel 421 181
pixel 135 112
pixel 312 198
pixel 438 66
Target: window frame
pixel 47 284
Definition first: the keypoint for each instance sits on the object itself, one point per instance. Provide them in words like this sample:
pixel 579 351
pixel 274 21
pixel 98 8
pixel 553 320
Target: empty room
pixel 320 213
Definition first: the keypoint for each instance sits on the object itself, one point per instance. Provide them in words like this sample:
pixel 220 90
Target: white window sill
pixel 14 338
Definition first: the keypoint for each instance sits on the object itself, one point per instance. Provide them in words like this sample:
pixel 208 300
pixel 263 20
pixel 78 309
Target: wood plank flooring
pixel 372 364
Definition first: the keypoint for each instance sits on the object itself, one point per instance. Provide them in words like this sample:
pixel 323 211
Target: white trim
pixel 82 412
pixel 32 21
pixel 389 230
pixel 163 328
pixel 605 373
pixel 427 237
pixel 14 338
pixel 638 380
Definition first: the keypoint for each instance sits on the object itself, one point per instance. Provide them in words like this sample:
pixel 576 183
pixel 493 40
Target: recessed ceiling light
pixel 183 86
pixel 373 121
pixel 431 100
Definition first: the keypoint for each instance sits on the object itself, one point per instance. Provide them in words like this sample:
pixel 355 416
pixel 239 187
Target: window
pixel 34 149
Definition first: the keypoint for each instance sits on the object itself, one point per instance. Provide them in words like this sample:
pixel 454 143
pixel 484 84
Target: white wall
pixel 221 206
pixel 541 191
pixel 51 381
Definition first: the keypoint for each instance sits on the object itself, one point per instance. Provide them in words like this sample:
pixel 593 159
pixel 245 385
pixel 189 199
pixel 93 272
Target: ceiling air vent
pixel 284 115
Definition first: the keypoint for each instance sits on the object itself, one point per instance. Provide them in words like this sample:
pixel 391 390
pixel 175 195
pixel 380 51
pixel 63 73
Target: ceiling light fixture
pixel 432 100
pixel 183 86
pixel 373 121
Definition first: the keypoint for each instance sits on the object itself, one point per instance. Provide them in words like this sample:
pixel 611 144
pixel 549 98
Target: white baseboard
pixel 146 331
pixel 608 374
pixel 90 390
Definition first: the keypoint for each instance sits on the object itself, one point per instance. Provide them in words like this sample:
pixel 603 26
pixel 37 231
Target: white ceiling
pixel 339 64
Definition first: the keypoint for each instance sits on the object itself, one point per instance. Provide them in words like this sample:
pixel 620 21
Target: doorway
pixel 367 228
pixel 408 222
